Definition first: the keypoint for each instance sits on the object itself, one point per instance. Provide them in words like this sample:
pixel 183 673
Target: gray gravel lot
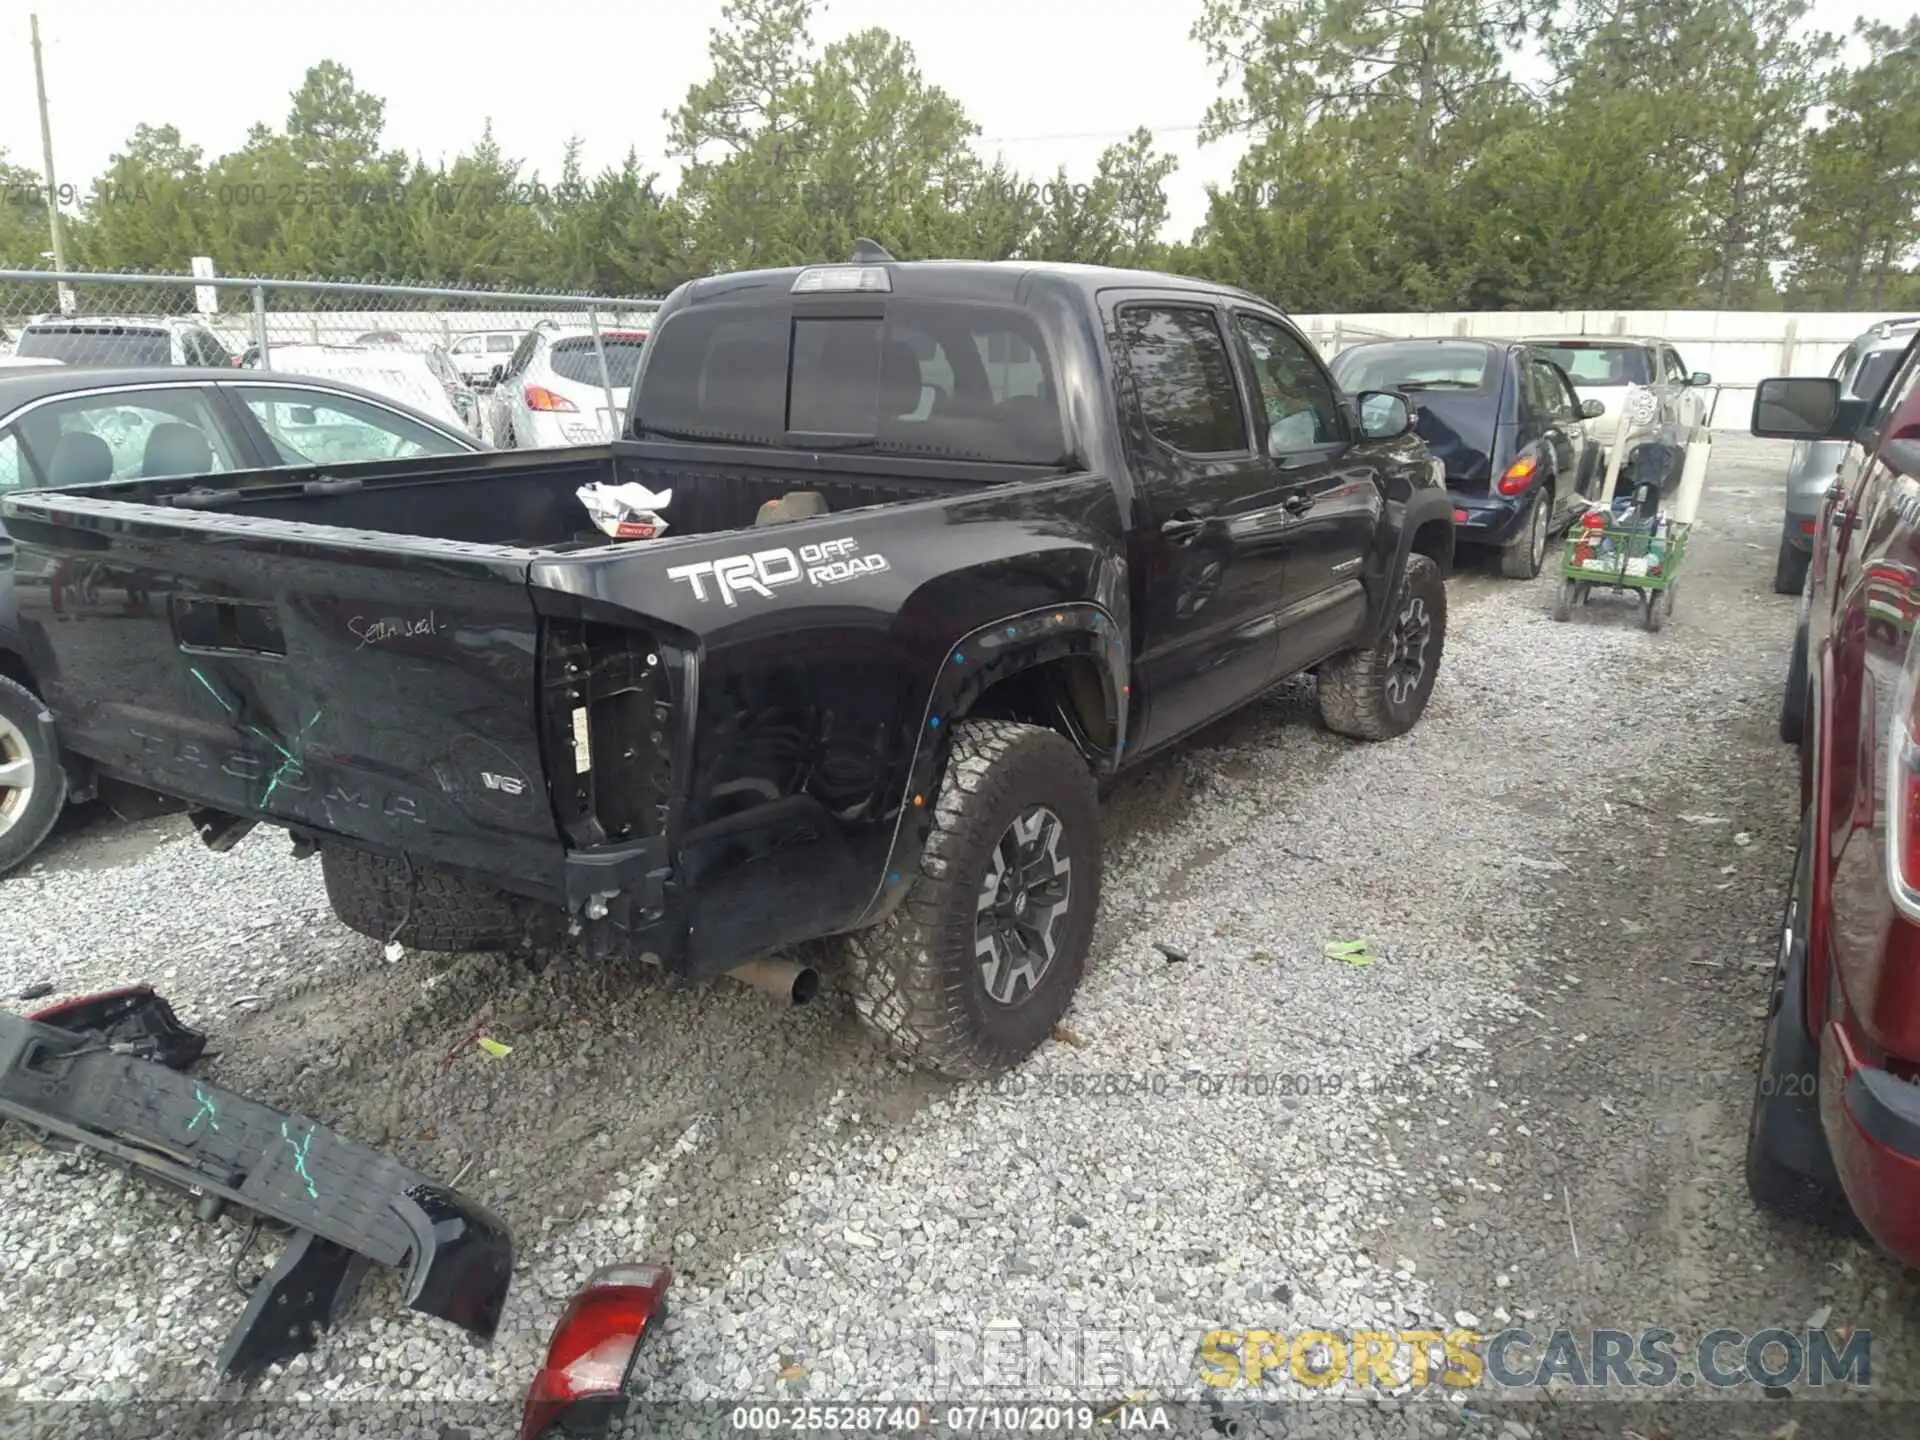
pixel 1553 1047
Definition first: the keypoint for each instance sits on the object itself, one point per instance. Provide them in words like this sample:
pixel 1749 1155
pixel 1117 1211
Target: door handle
pixel 1182 526
pixel 1297 504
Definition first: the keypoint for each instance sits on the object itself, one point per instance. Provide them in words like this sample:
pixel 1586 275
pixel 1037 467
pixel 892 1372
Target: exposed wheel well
pixel 1065 695
pixel 1435 541
pixel 15 669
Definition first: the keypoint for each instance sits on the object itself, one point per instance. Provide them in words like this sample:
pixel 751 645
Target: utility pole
pixel 46 149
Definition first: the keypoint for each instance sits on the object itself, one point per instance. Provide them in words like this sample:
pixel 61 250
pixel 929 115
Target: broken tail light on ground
pixel 582 1387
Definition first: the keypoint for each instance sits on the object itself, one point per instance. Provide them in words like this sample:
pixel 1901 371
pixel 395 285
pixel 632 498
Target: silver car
pixel 1862 369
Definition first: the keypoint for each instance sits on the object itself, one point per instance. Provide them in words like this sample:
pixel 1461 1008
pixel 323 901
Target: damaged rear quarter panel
pixel 822 650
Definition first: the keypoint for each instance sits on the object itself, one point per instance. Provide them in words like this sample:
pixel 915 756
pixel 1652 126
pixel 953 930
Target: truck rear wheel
pixel 1381 692
pixel 386 899
pixel 981 958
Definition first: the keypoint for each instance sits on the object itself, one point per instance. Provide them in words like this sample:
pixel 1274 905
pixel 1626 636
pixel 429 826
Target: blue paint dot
pixel 958 658
pixel 934 722
pixel 1012 631
pixel 894 878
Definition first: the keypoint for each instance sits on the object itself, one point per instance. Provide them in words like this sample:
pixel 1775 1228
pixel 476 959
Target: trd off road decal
pixel 764 571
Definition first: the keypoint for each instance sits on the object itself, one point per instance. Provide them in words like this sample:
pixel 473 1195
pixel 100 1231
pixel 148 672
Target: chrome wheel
pixel 16 774
pixel 1407 655
pixel 1021 907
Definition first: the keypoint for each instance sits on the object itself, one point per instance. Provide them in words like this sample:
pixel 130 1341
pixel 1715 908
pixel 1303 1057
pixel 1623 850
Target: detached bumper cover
pixel 347 1204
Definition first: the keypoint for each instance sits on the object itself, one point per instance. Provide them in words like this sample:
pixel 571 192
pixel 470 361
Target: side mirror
pixel 1384 414
pixel 498 373
pixel 1700 377
pixel 1799 407
pixel 1591 409
pixel 303 415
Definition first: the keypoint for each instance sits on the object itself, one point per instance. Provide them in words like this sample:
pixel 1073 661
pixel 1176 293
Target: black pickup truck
pixel 950 544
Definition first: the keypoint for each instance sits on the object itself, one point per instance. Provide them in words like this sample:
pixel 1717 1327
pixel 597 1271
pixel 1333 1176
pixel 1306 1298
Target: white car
pixel 1617 369
pixel 553 393
pixel 424 382
pixel 478 354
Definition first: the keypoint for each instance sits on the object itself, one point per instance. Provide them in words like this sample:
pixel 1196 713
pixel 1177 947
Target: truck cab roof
pixel 1004 281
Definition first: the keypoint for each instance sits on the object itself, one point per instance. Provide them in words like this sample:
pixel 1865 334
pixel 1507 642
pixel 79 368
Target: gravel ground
pixel 1530 1107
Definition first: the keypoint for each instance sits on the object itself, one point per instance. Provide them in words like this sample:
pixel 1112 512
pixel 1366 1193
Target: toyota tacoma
pixel 946 546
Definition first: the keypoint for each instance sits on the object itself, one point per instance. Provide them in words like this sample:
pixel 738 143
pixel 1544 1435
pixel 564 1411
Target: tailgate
pixel 378 687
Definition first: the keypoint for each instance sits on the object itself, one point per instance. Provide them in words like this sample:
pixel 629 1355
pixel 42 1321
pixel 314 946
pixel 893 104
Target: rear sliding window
pixel 575 360
pixel 958 380
pixel 96 345
pixel 1588 364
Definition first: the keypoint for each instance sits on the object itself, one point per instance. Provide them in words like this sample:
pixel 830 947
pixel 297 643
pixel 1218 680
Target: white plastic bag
pixel 626 512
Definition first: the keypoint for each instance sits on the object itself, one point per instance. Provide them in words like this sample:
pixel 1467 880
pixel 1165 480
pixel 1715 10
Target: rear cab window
pixel 959 379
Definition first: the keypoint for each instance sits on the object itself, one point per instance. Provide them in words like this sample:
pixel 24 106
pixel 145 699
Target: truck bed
pixel 444 660
pixel 525 500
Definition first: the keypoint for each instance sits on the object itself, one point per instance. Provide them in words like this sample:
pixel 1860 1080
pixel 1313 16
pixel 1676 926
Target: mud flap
pixel 347 1205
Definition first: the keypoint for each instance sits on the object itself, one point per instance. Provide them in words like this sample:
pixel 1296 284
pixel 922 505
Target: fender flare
pixel 973 664
pixel 1420 508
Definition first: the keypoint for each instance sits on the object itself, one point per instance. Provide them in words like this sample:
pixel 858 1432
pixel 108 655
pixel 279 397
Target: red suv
pixel 1835 1134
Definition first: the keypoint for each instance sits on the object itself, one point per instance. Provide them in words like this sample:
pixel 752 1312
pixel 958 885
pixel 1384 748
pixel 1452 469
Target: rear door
pixel 1210 534
pixel 1330 496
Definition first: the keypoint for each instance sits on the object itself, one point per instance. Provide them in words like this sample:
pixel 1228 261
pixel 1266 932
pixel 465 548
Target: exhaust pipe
pixel 785 982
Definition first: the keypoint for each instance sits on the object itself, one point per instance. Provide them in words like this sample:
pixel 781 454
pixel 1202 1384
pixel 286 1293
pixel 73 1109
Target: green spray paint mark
pixel 291 762
pixel 195 672
pixel 206 1111
pixel 300 1157
pixel 289 759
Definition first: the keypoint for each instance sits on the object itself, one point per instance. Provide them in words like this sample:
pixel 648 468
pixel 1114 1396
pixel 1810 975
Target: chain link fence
pixel 442 349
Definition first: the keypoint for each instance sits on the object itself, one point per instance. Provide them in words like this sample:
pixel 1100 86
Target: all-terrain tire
pixel 1523 557
pixel 27 813
pixel 916 979
pixel 1357 689
pixel 1790 567
pixel 423 909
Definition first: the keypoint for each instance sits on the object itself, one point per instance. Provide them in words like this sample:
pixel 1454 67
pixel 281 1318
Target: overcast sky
pixel 1048 84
